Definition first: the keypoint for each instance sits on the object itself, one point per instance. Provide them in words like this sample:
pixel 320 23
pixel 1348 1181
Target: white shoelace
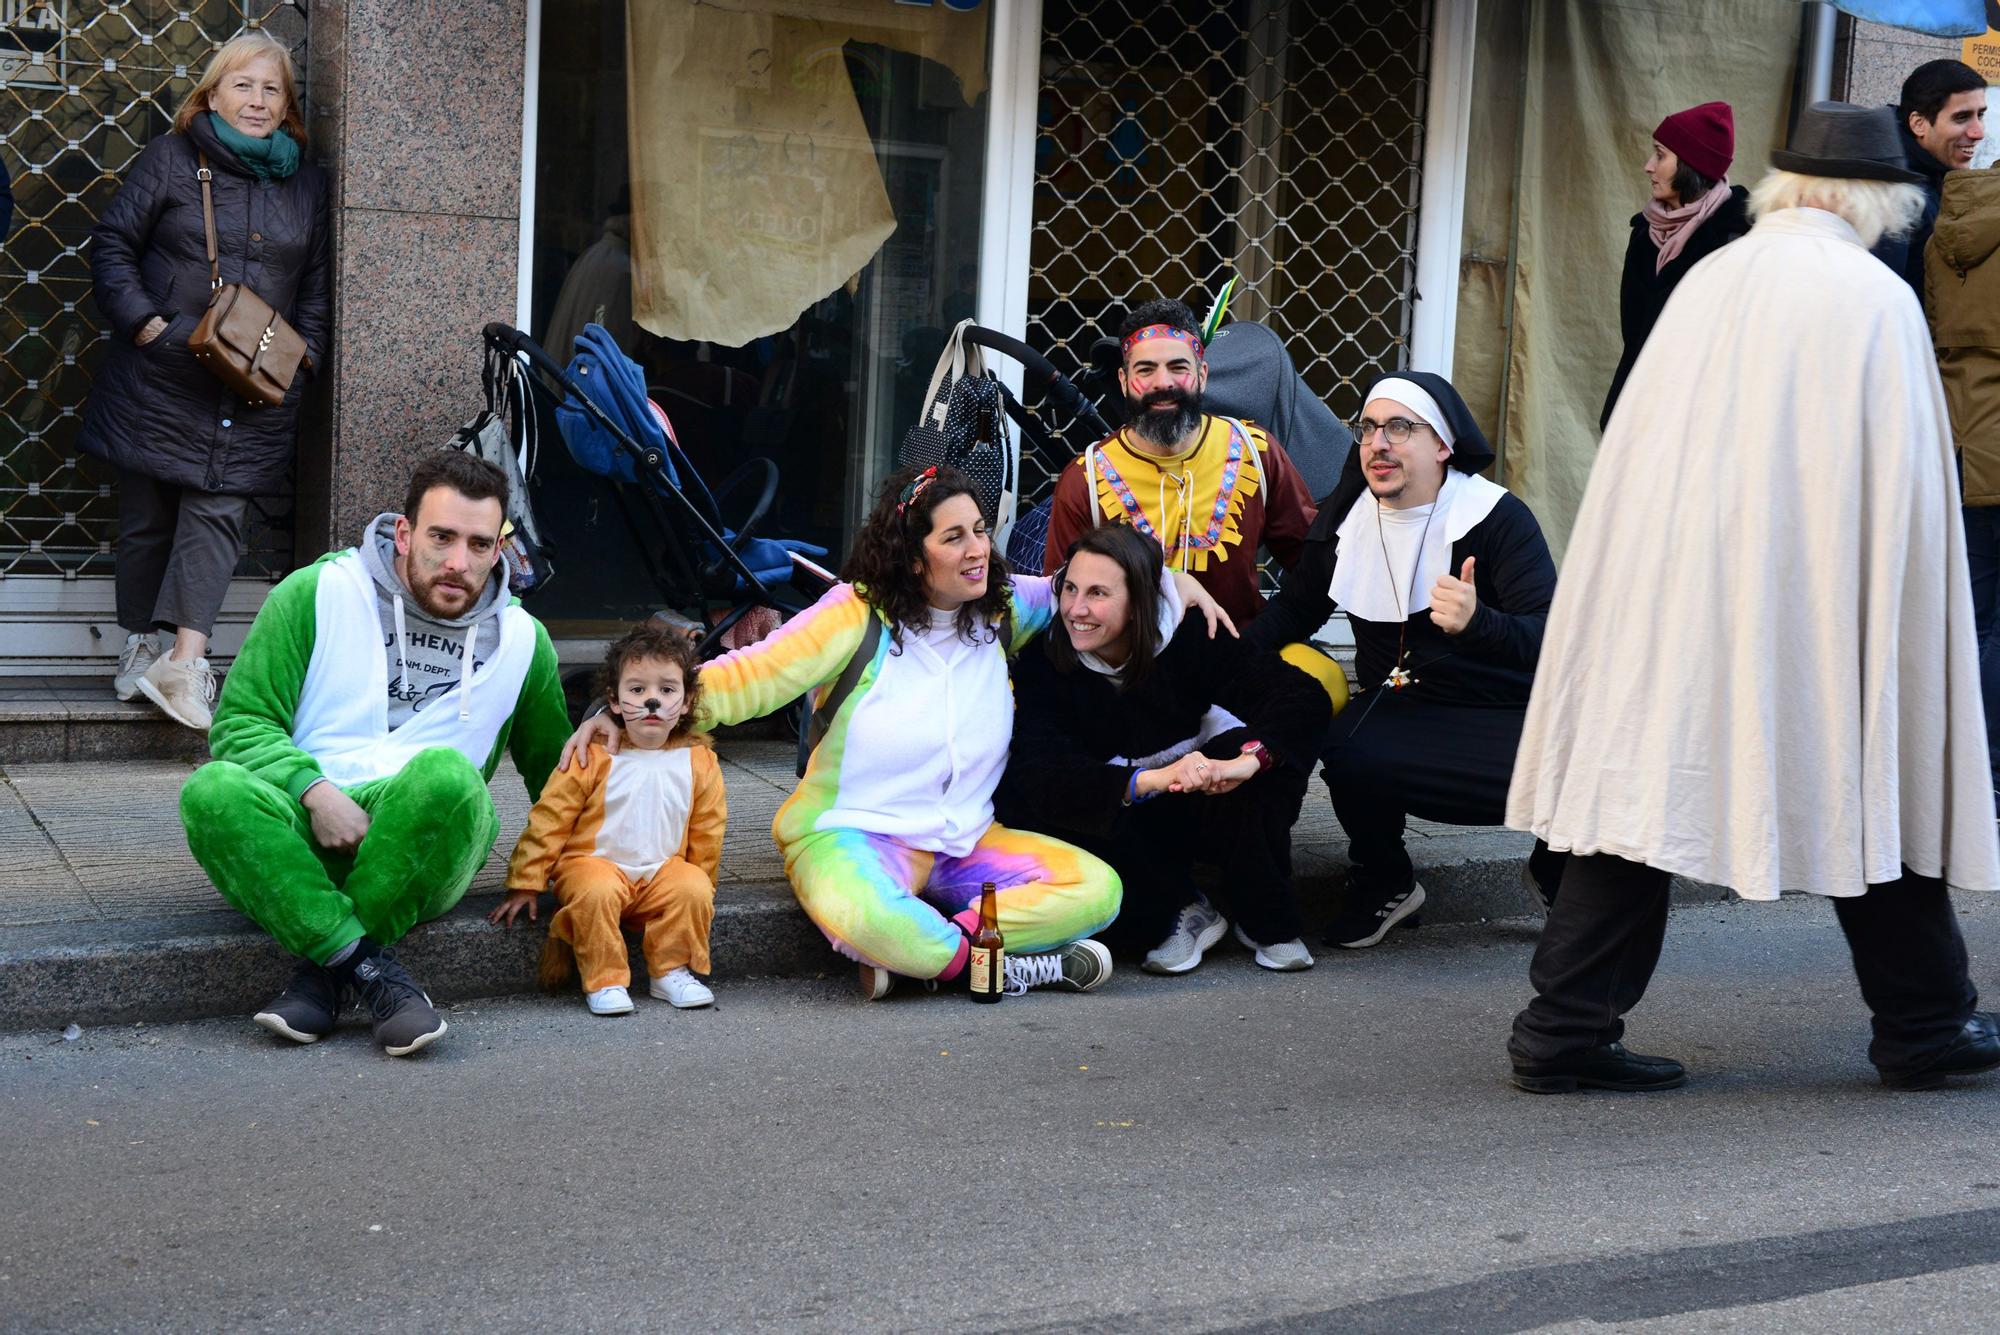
pixel 1026 971
pixel 128 662
pixel 204 680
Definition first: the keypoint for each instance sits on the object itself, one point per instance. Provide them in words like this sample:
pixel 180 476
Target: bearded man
pixel 1210 490
pixel 354 740
pixel 1760 669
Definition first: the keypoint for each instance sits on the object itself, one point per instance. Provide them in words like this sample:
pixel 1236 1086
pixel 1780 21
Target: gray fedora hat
pixel 1850 142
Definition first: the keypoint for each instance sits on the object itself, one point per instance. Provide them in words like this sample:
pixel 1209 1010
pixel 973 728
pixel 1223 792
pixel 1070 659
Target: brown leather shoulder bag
pixel 247 345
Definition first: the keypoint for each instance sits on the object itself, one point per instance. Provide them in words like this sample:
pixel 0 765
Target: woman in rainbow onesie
pixel 890 834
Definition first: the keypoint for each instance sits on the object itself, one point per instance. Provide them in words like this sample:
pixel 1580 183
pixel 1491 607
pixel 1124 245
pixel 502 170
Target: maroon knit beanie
pixel 1703 137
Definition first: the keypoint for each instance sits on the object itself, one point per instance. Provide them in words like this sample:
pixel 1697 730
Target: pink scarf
pixel 1671 228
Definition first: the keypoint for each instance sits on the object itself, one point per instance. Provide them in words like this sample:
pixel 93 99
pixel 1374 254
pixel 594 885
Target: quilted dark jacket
pixel 155 410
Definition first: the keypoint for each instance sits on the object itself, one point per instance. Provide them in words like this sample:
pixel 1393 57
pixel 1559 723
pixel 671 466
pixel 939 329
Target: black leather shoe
pixel 1608 1067
pixel 1975 1048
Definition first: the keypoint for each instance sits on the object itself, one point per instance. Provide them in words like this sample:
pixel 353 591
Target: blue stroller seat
pixel 602 372
pixel 695 559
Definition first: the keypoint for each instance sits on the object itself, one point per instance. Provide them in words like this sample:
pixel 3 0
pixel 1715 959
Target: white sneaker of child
pixel 681 990
pixel 609 1001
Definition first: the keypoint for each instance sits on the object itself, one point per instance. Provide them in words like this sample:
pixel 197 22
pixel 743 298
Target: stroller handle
pixel 511 340
pixel 1052 382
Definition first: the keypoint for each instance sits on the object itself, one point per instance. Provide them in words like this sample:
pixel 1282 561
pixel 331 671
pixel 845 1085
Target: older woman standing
pixel 1692 212
pixel 1105 701
pixel 188 452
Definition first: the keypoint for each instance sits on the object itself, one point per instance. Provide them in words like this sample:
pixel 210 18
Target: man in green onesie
pixel 353 743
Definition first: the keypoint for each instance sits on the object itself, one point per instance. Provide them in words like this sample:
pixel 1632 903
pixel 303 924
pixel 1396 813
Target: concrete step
pixel 194 966
pixel 39 726
pixel 106 918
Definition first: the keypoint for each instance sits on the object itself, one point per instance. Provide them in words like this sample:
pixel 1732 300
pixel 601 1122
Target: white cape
pixel 1760 669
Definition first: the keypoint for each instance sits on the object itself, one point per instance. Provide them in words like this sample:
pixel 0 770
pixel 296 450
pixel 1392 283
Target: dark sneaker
pixel 1607 1067
pixel 1370 917
pixel 405 1020
pixel 309 1007
pixel 1079 967
pixel 1975 1048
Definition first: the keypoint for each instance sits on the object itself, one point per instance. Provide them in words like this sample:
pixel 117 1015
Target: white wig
pixel 1874 209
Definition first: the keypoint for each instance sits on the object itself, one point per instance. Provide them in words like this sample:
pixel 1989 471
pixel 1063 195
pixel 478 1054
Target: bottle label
pixel 987 970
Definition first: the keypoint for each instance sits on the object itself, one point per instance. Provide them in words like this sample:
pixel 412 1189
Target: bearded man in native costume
pixel 1210 490
pixel 1761 670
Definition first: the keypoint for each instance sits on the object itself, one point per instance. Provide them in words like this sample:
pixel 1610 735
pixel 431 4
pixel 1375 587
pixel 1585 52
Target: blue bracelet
pixel 1132 795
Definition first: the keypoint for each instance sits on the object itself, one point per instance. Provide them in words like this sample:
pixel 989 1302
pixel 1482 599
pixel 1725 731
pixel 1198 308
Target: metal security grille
pixel 1277 140
pixel 84 85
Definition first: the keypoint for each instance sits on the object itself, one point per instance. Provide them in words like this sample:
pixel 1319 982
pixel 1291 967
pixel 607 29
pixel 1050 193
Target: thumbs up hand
pixel 1453 601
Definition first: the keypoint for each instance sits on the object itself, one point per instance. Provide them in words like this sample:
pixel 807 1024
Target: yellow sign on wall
pixel 1983 54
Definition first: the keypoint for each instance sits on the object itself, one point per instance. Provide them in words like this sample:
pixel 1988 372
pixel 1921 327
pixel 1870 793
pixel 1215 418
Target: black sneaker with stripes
pixel 1369 917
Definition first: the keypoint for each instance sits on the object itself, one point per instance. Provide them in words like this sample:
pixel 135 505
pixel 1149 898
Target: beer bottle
pixel 989 950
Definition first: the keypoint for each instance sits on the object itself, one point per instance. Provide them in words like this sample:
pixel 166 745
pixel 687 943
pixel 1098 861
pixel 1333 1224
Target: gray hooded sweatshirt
pixel 428 655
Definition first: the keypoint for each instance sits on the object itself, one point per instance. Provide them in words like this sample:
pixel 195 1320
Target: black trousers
pixel 1603 937
pixel 177 548
pixel 1247 833
pixel 1393 756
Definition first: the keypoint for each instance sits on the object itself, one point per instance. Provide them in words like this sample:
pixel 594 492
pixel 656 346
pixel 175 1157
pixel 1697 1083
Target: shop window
pixel 774 205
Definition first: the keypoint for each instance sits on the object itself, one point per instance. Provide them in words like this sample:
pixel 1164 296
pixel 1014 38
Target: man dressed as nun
pixel 1446 579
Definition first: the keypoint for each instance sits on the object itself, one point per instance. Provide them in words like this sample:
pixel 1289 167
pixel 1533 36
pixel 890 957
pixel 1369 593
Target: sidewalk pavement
pixel 105 917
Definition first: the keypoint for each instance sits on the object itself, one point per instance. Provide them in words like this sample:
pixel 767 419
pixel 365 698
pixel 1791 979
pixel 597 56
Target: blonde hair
pixel 233 55
pixel 1874 209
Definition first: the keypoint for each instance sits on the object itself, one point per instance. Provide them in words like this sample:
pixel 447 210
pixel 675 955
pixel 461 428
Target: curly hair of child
pixel 650 642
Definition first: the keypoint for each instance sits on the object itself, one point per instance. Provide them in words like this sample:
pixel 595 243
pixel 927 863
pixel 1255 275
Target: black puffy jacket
pixel 1643 291
pixel 155 410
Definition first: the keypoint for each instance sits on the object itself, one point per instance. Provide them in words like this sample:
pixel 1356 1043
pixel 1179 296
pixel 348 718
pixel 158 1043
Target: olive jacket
pixel 1962 299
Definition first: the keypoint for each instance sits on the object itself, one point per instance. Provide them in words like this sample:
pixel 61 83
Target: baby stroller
pixel 963 424
pixel 695 557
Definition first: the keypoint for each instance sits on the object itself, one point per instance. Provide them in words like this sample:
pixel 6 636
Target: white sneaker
pixel 609 1001
pixel 875 983
pixel 681 990
pixel 1285 957
pixel 1198 928
pixel 138 655
pixel 184 691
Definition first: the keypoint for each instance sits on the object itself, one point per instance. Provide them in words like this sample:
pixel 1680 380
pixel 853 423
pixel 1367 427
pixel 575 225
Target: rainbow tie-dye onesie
pixel 890 834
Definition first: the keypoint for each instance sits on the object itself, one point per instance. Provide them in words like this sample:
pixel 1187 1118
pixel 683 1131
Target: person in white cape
pixel 1760 668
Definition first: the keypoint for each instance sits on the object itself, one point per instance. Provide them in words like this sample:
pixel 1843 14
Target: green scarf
pixel 272 158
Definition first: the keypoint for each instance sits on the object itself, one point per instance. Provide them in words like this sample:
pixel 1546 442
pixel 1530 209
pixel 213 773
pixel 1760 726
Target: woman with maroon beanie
pixel 1693 212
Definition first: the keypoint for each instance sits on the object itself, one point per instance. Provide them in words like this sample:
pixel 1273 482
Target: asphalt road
pixel 1233 1150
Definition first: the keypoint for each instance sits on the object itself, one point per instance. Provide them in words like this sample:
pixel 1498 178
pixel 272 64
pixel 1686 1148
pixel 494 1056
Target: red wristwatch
pixel 1264 758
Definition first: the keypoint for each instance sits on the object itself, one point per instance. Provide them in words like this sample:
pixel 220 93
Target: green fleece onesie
pixel 431 822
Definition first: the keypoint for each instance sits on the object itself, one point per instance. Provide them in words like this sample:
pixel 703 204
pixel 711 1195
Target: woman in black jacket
pixel 1106 701
pixel 1693 212
pixel 189 453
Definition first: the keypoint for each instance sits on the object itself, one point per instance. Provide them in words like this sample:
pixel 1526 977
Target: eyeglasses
pixel 1398 429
